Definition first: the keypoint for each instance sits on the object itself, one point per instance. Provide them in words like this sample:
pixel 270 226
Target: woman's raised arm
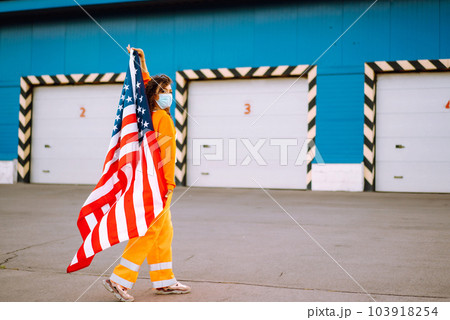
pixel 142 56
pixel 145 73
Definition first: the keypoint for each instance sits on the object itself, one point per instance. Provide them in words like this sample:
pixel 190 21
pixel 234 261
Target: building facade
pixel 324 95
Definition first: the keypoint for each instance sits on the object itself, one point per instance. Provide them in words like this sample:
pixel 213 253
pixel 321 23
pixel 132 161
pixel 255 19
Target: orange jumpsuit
pixel 156 244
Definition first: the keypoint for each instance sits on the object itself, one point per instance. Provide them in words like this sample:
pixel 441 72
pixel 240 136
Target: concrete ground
pixel 239 245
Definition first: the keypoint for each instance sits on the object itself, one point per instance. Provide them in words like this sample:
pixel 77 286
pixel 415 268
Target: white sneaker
pixel 177 288
pixel 118 291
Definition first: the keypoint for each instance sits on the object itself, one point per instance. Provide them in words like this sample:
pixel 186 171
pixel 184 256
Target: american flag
pixel 131 191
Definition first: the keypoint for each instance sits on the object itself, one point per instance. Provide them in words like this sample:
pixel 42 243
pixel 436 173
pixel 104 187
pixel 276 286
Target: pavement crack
pixel 2 264
pixel 36 245
pixel 316 289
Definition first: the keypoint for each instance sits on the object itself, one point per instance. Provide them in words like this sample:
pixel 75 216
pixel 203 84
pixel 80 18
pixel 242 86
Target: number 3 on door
pixel 247 109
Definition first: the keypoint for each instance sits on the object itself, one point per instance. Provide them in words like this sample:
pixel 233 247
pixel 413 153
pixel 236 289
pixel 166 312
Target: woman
pixel 156 244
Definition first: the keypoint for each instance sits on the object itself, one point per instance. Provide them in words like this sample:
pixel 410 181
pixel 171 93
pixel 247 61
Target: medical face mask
pixel 165 100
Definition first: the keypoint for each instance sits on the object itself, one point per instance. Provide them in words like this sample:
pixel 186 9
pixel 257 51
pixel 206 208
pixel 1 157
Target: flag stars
pixel 133 96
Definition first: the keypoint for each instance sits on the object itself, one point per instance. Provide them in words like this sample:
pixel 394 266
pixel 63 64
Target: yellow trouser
pixel 156 246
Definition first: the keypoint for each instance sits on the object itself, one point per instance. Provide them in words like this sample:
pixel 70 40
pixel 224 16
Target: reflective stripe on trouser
pixel 156 246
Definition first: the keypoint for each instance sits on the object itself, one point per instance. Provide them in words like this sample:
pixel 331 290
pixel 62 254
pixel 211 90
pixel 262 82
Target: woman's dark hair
pixel 159 81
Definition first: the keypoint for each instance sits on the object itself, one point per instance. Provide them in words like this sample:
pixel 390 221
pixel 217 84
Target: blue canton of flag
pixel 134 94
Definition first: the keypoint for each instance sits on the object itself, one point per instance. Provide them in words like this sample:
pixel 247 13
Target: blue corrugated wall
pixel 282 34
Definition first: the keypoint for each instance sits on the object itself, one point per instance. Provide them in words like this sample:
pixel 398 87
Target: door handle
pixel 399 146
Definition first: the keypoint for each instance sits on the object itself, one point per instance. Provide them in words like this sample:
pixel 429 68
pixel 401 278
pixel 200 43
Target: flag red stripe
pixel 112 226
pixel 108 198
pixel 129 119
pixel 130 137
pixel 129 211
pixel 110 154
pixel 96 238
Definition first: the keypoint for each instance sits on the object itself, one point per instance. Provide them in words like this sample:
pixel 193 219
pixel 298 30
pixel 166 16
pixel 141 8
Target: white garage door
pixel 413 132
pixel 72 126
pixel 236 138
